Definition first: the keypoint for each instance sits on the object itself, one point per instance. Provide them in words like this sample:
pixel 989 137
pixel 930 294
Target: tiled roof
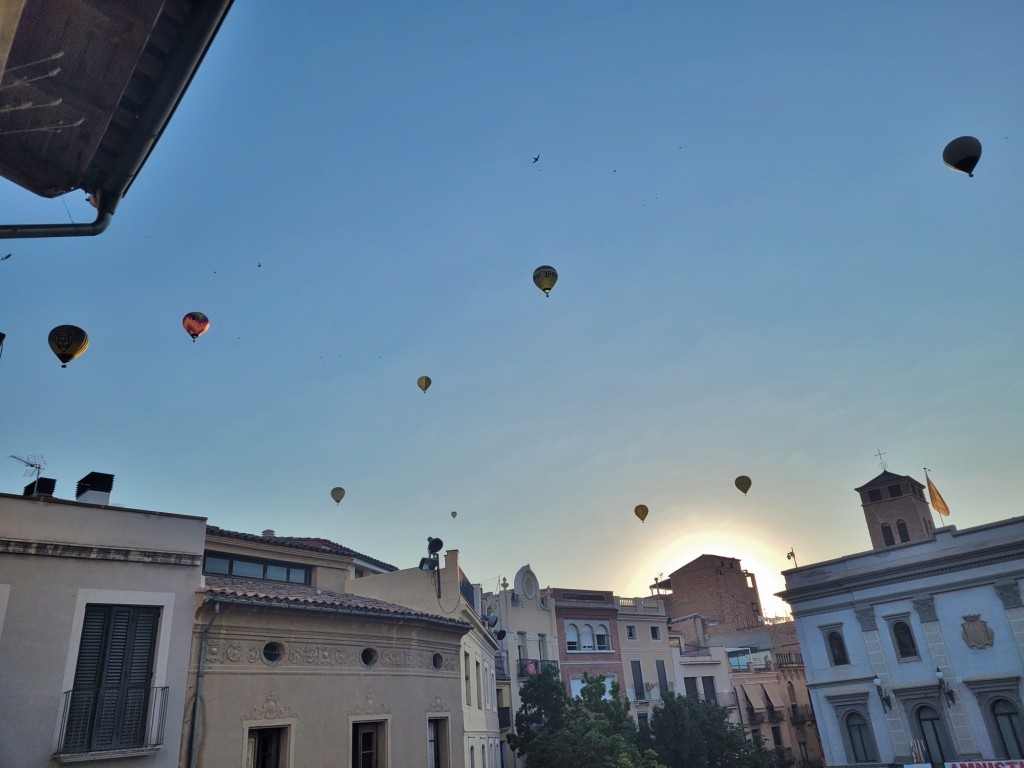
pixel 282 595
pixel 886 477
pixel 301 542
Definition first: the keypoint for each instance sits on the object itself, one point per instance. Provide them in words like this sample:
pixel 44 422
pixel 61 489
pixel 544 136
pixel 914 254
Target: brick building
pixel 588 626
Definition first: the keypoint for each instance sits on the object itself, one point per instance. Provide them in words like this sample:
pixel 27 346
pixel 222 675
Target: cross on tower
pixel 882 462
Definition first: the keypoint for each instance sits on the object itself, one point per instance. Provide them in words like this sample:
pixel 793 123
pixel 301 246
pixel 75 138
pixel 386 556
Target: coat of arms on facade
pixel 976 632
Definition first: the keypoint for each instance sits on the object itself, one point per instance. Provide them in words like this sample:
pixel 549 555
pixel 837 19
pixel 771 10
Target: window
pixel 836 648
pixel 861 741
pixel 901 529
pixel 659 665
pixel 265 747
pixel 895 491
pixel 603 638
pixel 111 692
pixel 690 686
pixel 437 743
pixel 587 638
pixel 875 495
pixel 576 685
pixel 641 719
pixel 903 639
pixel 1008 726
pixel 934 735
pixel 479 688
pixel 630 632
pixel 369 745
pixel 887 535
pixel 777 735
pixel 710 694
pixel 249 568
pixel 655 633
pixel 542 646
pixel 639 691
pixel 469 685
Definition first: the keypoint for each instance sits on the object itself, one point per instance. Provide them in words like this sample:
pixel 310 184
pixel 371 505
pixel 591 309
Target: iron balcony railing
pixel 112 719
pixel 501 666
pixel 776 715
pixel 755 716
pixel 531 667
pixel 692 651
pixel 800 713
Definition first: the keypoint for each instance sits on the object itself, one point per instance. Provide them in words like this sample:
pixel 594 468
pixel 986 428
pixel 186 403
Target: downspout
pixel 104 212
pixel 193 743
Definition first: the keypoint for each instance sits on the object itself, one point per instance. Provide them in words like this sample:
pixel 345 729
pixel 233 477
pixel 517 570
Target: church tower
pixel 895 510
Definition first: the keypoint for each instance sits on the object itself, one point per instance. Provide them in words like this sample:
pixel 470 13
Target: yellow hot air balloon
pixel 68 342
pixel 545 278
pixel 337 494
pixel 962 154
pixel 423 382
pixel 641 511
pixel 454 514
pixel 743 483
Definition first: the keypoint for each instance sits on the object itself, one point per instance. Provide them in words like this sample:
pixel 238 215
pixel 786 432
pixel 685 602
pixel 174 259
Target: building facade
pixel 588 625
pixel 716 588
pixel 648 663
pixel 913 650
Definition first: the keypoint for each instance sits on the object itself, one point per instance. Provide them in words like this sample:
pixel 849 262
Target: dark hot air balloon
pixel 962 154
pixel 423 382
pixel 545 278
pixel 743 483
pixel 196 323
pixel 337 494
pixel 68 342
pixel 641 511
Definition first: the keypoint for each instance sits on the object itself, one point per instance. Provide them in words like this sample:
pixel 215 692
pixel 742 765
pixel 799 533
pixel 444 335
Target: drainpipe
pixel 193 743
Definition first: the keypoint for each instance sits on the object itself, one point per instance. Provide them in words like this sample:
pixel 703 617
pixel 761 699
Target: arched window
pixel 791 693
pixel 934 735
pixel 472 758
pixel 1009 726
pixel 903 639
pixel 587 638
pixel 603 640
pixel 836 649
pixel 887 535
pixel 572 637
pixel 861 741
pixel 901 529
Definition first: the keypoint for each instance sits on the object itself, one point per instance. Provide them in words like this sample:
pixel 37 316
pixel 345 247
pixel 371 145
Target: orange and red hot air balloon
pixel 196 323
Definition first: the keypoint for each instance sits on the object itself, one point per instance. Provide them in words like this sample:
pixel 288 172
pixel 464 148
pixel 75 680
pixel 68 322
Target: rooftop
pixel 304 543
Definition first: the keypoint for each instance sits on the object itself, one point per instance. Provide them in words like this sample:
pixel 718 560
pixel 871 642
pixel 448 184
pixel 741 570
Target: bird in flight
pixel 536 158
pixel 5 258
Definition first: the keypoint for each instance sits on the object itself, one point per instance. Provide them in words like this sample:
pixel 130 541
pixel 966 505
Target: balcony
pixel 531 667
pixel 755 716
pixel 501 666
pixel 800 713
pixel 776 715
pixel 141 713
pixel 504 717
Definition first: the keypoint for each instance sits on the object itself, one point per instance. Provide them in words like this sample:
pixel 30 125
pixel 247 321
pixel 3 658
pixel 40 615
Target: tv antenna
pixel 34 465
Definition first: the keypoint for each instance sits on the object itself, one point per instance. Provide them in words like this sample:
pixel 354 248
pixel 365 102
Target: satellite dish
pixel 491 619
pixel 500 634
pixel 434 545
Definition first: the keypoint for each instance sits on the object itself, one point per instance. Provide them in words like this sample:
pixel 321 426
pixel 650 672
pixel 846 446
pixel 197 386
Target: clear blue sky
pixel 765 269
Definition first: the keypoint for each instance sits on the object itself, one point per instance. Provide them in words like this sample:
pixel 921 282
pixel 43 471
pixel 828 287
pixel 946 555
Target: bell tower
pixel 895 510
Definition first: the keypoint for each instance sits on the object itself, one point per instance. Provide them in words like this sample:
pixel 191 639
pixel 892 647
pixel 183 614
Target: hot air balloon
pixel 962 154
pixel 423 382
pixel 545 278
pixel 641 511
pixel 196 323
pixel 454 514
pixel 337 494
pixel 743 483
pixel 68 342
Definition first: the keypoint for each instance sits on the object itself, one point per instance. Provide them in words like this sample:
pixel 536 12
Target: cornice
pixel 118 554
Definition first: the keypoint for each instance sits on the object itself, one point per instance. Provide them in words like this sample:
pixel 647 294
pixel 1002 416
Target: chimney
pixel 95 488
pixel 43 487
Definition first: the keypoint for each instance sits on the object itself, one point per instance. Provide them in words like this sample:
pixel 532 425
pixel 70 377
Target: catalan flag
pixel 935 498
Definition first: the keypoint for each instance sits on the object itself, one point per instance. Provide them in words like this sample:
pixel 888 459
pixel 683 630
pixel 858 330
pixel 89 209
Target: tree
pixel 686 733
pixel 544 703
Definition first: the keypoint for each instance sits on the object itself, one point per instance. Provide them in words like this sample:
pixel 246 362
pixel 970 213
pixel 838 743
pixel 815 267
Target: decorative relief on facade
pixel 976 632
pixel 323 655
pixel 248 652
pixel 271 709
pixel 370 707
pixel 925 607
pixel 438 705
pixel 1009 593
pixel 233 652
pixel 866 617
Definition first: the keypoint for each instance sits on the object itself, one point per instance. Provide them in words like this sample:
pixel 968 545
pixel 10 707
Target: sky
pixel 764 267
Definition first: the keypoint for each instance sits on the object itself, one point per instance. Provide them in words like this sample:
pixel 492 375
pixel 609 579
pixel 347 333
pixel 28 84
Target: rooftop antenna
pixel 34 464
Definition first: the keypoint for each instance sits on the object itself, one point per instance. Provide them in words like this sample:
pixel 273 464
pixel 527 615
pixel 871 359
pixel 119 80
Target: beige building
pixel 288 671
pixel 647 657
pixel 96 611
pixel 445 591
pixel 528 634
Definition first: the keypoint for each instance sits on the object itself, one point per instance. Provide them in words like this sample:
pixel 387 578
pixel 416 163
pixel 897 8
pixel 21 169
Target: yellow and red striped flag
pixel 935 498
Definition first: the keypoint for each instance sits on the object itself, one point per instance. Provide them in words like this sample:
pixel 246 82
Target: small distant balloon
pixel 454 514
pixel 196 323
pixel 743 483
pixel 641 511
pixel 962 154
pixel 337 494
pixel 423 382
pixel 68 342
pixel 545 278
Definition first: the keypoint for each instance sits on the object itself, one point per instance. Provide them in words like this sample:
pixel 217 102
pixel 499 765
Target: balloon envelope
pixel 423 382
pixel 68 342
pixel 743 483
pixel 641 511
pixel 454 514
pixel 337 494
pixel 545 278
pixel 196 323
pixel 962 154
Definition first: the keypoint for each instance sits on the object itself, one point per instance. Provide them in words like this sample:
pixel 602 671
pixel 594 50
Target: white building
pixel 915 647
